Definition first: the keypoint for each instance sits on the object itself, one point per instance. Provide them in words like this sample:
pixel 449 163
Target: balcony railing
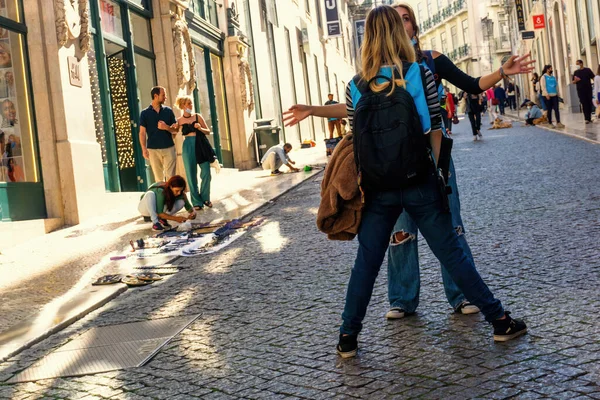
pixel 206 9
pixel 460 53
pixel 445 13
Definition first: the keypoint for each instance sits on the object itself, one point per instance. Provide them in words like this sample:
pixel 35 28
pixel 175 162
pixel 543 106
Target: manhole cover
pixel 106 348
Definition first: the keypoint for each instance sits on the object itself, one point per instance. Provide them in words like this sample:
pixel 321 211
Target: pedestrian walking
pixel 597 91
pixel 196 152
pixel 500 96
pixel 157 128
pixel 473 110
pixel 583 78
pixel 492 104
pixel 163 200
pixel 423 200
pixel 537 90
pixel 403 260
pixel 549 88
pixel 333 123
pixel 511 96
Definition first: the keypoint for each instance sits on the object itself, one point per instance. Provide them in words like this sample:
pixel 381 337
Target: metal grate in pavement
pixel 106 348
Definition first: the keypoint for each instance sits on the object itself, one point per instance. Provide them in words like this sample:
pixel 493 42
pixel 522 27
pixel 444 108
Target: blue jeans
pixel 404 281
pixel 423 203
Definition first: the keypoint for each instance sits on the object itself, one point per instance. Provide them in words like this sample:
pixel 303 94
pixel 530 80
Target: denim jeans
pixel 404 281
pixel 423 203
pixel 552 105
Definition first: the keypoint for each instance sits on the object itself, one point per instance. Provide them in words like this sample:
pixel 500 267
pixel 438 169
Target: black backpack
pixel 390 149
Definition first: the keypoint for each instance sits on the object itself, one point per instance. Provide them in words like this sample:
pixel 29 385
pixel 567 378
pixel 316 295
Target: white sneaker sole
pixel 395 314
pixel 469 310
pixel 506 338
pixel 347 354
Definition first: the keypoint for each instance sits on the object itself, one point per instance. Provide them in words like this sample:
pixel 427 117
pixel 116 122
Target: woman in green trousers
pixel 197 151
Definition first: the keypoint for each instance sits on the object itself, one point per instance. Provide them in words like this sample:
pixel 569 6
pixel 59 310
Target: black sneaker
pixel 508 328
pixel 157 227
pixel 165 223
pixel 347 346
pixel 147 219
pixel 276 172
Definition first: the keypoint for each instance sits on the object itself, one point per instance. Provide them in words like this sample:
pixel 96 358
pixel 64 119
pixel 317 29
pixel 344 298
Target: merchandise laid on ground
pixel 188 240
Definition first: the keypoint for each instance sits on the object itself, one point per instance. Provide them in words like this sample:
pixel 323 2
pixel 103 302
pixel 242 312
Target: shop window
pixel 140 28
pixel 202 85
pixel 110 15
pixel 11 9
pixel 221 105
pixel 146 80
pixel 17 140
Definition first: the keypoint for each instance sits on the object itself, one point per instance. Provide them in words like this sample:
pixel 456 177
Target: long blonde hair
pixel 385 44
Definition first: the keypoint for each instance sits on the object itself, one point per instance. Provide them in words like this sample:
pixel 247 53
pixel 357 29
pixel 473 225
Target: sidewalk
pixel 46 281
pixel 574 125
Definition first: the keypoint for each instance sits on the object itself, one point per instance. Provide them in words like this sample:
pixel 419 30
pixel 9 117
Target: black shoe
pixel 147 219
pixel 165 223
pixel 157 227
pixel 508 328
pixel 347 346
pixel 276 172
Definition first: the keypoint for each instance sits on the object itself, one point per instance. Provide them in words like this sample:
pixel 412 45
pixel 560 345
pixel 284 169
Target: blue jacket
pixel 499 93
pixel 534 113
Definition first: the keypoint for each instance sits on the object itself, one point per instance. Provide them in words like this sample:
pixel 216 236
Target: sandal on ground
pixel 198 208
pixel 208 204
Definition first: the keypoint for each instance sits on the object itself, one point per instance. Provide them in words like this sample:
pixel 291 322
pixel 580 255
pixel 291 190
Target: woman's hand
pixel 519 65
pixel 197 125
pixel 191 215
pixel 295 114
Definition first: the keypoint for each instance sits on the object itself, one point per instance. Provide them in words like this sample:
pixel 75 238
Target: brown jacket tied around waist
pixel 341 206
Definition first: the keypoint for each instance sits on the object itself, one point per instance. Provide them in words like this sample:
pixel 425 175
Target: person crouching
pixel 163 201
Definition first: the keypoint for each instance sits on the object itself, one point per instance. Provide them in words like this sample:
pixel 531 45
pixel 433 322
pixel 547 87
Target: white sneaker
pixel 475 138
pixel 559 125
pixel 480 136
pixel 395 313
pixel 466 308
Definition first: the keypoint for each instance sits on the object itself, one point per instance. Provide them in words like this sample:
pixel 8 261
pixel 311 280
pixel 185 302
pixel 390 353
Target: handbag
pixel 495 102
pixel 455 120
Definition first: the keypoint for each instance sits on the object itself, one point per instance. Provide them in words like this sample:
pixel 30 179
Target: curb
pixel 561 131
pixel 117 292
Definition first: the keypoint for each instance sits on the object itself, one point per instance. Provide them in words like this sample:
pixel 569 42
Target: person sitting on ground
pixel 163 200
pixel 277 156
pixel 533 113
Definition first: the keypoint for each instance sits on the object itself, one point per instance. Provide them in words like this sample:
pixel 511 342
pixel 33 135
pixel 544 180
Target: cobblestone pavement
pixel 271 302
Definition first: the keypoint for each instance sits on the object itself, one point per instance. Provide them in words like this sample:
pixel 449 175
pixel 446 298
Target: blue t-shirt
pixel 158 138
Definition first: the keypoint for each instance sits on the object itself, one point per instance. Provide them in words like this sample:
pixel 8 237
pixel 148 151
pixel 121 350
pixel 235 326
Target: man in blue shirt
pixel 333 122
pixel 277 156
pixel 157 128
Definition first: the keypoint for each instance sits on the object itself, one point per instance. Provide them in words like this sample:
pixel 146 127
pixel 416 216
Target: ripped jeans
pixel 404 281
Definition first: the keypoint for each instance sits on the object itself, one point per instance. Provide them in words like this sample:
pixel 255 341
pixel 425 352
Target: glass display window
pixel 18 151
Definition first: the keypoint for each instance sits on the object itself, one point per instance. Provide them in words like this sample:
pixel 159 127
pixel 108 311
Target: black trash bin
pixel 266 136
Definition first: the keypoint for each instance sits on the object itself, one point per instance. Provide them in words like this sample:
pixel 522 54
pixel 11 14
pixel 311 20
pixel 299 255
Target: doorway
pixel 120 98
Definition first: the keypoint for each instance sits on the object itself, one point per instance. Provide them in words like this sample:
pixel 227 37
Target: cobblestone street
pixel 270 303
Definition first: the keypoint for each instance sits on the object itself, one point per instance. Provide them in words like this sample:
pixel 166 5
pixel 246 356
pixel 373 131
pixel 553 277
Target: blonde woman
pixel 387 51
pixel 197 151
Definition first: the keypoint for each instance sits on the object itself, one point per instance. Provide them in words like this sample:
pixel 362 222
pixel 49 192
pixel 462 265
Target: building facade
pixel 75 75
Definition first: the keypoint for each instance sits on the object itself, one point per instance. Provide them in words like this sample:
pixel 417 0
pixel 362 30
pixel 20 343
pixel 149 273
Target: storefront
pixel 209 95
pixel 122 73
pixel 21 187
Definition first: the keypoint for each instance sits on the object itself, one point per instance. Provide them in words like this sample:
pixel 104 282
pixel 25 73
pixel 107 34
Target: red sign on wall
pixel 539 22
